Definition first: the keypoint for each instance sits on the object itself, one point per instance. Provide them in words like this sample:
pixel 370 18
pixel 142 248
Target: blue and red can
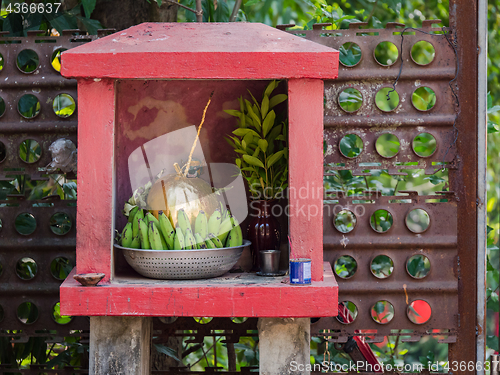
pixel 300 271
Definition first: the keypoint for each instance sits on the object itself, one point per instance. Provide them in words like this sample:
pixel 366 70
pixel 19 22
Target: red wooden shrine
pixel 135 85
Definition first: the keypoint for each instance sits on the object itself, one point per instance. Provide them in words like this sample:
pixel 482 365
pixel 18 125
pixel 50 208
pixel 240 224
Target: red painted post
pixel 94 239
pixel 305 139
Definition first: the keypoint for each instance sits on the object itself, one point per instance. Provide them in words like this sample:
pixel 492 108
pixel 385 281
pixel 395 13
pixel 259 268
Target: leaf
pixel 435 180
pixel 253 161
pixel 492 127
pixel 13 23
pixel 233 112
pixel 494 109
pixel 167 351
pixel 350 56
pixel 230 142
pixel 256 110
pixel 252 114
pixel 277 99
pixel 273 134
pixel 242 132
pixel 243 121
pixel 492 342
pixel 28 105
pixel 270 88
pixel 256 152
pixel 255 101
pixel 394 5
pixel 62 359
pixel 208 10
pixel 262 144
pixel 241 346
pixel 274 158
pixel 70 189
pixel 251 2
pixel 492 303
pixel 33 21
pixel 351 145
pixel 265 106
pixel 222 12
pixel 90 25
pixel 248 139
pixel 61 22
pixel 376 23
pixel 268 123
pixel 89 5
pixel 242 104
pixel 28 61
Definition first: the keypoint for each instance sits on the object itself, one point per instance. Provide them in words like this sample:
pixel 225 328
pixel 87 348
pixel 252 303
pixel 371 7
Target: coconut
pixel 174 192
pixel 178 191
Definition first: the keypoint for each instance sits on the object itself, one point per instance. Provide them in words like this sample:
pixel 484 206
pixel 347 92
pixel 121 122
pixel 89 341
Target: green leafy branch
pixel 261 142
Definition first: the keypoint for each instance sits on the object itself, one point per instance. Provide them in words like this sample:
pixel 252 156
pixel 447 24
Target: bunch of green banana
pixel 235 237
pixel 144 231
pixel 166 229
pixel 220 230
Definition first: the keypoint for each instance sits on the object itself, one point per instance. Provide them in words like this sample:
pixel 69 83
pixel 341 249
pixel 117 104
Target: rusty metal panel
pixel 450 242
pixel 43 246
pixel 439 288
pixel 439 243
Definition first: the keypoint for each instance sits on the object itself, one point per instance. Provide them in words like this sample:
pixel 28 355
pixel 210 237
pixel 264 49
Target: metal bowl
pixel 183 264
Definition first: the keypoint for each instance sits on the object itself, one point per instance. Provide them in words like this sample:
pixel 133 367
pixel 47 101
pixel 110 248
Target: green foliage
pixel 167 351
pixel 381 221
pixel 345 267
pixel 88 7
pixel 350 54
pixel 417 267
pixel 61 267
pixel 351 145
pixel 17 24
pixel 213 352
pixel 260 141
pixel 493 182
pixel 29 105
pixel 380 180
pixel 326 13
pixel 424 98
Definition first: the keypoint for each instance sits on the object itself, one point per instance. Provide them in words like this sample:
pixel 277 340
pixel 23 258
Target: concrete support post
pixel 120 345
pixel 284 346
